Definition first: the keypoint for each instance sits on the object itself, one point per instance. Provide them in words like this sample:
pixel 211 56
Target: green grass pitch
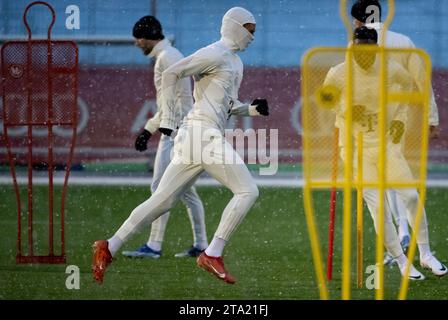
pixel 269 254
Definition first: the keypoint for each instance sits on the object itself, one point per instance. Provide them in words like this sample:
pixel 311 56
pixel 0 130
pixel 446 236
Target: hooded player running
pixel 200 144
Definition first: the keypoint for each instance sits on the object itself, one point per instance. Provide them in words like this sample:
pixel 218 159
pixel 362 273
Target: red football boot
pixel 215 265
pixel 101 259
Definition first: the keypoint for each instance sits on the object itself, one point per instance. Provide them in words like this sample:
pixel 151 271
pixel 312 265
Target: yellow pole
pixel 412 248
pixel 309 214
pixel 359 211
pixel 315 244
pixel 423 167
pixel 379 293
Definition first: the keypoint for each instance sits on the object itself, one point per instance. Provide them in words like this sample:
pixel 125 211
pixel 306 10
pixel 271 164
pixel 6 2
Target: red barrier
pixel 39 92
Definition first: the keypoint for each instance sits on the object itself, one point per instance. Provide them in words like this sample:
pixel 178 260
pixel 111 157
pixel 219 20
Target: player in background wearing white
pixel 364 13
pixel 149 37
pixel 366 68
pixel 200 144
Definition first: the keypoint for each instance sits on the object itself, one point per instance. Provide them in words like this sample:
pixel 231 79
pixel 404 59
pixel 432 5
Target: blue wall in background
pixel 285 28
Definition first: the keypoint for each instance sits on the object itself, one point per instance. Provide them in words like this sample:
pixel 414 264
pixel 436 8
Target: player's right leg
pixel 399 214
pixel 410 197
pixel 398 211
pixel 427 259
pixel 391 240
pixel 231 171
pixel 177 178
pixel 189 198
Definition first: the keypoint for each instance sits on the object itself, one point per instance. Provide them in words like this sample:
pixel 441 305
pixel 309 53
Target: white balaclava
pixel 232 28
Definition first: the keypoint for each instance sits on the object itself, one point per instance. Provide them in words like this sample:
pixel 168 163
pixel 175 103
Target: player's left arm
pixel 153 124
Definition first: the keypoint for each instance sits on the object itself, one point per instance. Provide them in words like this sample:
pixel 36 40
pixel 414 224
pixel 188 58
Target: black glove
pixel 396 130
pixel 262 106
pixel 142 140
pixel 166 131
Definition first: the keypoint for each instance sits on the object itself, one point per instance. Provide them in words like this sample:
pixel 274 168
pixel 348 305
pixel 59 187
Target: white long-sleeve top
pixel 165 56
pixel 411 62
pixel 217 72
pixel 366 93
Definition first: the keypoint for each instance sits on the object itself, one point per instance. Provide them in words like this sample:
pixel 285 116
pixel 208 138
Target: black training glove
pixel 396 130
pixel 142 140
pixel 261 106
pixel 166 131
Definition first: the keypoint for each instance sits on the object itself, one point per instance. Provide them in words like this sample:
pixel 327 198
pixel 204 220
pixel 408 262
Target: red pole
pixel 332 207
pixel 30 129
pixel 50 147
pixel 30 153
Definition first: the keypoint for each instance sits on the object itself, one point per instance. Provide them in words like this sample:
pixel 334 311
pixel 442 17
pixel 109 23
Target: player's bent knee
pixel 252 192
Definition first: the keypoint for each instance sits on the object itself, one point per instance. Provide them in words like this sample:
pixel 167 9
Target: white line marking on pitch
pixel 146 181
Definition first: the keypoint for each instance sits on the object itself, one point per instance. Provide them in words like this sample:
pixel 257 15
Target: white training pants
pixel 189 198
pixel 398 210
pixel 198 149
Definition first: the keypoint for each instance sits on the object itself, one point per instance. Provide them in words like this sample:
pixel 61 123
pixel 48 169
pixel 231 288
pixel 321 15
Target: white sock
pixel 155 245
pixel 115 244
pixel 424 250
pixel 215 248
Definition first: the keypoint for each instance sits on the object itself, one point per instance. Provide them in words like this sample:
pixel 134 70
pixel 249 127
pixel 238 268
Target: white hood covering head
pixel 232 29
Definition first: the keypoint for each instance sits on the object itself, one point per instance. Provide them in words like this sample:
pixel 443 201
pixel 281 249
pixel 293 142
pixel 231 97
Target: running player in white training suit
pixel 200 144
pixel 365 118
pixel 361 11
pixel 149 37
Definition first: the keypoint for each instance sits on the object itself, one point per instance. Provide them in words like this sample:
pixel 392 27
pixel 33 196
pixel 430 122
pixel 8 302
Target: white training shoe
pixel 414 274
pixel 436 267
